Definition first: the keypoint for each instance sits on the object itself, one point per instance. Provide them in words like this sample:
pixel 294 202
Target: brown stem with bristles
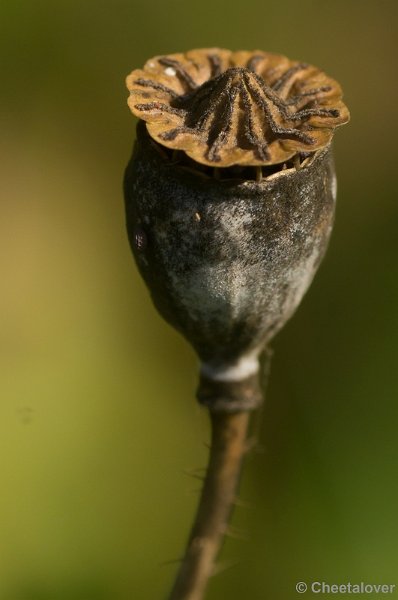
pixel 228 447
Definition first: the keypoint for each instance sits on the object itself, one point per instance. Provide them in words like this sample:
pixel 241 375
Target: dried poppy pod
pixel 230 197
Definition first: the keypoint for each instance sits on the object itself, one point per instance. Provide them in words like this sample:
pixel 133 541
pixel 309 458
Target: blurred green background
pixel 98 420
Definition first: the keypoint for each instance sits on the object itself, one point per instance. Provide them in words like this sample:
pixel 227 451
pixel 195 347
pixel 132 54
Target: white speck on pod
pixel 170 71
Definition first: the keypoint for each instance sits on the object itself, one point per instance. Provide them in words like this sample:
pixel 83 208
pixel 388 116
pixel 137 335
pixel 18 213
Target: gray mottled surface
pixel 227 262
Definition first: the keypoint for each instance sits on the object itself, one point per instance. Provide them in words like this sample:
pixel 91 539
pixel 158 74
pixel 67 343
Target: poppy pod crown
pixel 226 108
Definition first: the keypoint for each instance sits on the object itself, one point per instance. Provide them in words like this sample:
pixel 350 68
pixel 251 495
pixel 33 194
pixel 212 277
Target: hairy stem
pixel 228 447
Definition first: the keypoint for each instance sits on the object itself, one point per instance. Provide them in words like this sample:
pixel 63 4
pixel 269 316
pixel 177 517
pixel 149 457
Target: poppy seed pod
pixel 230 197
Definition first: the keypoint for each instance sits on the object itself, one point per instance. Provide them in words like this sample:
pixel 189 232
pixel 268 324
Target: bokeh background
pixel 98 423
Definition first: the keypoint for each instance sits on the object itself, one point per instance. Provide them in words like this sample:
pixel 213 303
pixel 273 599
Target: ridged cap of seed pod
pixel 225 108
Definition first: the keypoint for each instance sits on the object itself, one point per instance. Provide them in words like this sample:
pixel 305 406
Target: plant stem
pixel 228 447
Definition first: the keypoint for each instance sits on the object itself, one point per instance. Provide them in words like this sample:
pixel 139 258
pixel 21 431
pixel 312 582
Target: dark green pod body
pixel 227 261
